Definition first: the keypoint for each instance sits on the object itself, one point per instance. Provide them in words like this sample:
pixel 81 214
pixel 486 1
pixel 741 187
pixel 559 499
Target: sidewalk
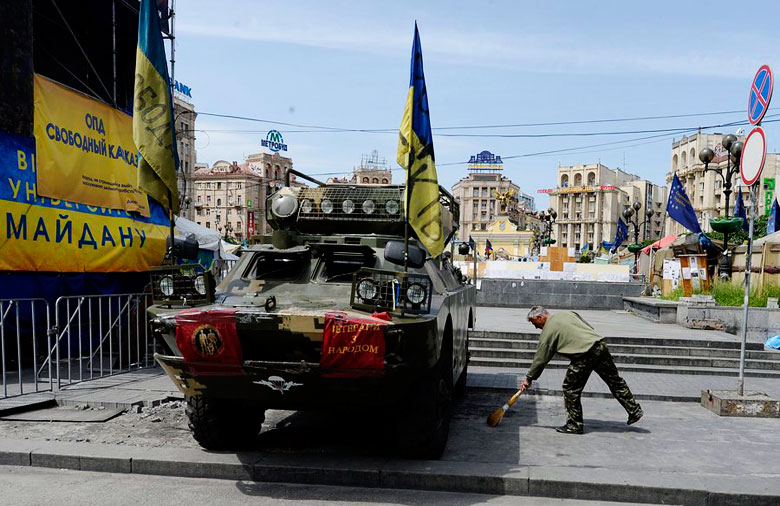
pixel 679 453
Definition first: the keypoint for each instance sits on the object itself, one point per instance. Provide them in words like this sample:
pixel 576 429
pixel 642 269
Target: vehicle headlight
pixel 327 206
pixel 391 206
pixel 200 284
pixel 366 289
pixel 284 206
pixel 166 285
pixel 415 293
pixel 368 206
pixel 306 206
pixel 347 206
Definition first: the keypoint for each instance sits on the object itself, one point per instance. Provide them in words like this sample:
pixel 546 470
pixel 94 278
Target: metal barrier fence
pixel 222 269
pixel 24 324
pixel 99 335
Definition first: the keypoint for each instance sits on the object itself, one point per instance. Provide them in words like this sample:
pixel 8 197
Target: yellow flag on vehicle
pixel 415 154
pixel 153 123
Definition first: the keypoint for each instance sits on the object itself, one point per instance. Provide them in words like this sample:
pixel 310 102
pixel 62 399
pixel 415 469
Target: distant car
pixel 334 272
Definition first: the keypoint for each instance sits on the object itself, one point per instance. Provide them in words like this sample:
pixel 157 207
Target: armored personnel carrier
pixel 332 313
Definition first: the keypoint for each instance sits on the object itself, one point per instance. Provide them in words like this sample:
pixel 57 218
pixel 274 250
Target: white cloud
pixel 529 52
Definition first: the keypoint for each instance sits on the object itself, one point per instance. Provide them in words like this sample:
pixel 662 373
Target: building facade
pixel 184 118
pixel 589 199
pixel 705 189
pixel 230 197
pixel 372 170
pixel 476 194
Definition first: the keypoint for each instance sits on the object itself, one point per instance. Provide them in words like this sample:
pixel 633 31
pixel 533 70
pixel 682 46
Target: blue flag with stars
pixel 679 207
pixel 773 223
pixel 621 234
pixel 739 211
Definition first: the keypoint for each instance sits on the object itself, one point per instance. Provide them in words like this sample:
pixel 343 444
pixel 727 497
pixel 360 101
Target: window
pixel 219 186
pixel 198 199
pixel 219 202
pixel 208 224
pixel 475 192
pixel 200 212
pixel 375 180
pixel 199 223
pixel 280 266
pixel 239 200
pixel 338 265
pixel 385 180
pixel 199 185
pixel 365 180
pixel 228 212
pixel 208 199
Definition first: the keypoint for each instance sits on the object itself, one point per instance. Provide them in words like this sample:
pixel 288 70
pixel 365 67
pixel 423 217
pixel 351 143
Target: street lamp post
pixel 734 148
pixel 628 214
pixel 548 220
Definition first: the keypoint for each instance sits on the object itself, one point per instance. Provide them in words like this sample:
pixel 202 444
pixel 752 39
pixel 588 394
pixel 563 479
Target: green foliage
pixel 727 293
pixel 674 294
pixel 585 259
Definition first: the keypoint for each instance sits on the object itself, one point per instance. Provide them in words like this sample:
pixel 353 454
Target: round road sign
pixel 760 94
pixel 753 155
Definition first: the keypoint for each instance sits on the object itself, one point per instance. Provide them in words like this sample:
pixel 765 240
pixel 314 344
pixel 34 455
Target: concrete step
pixel 693 351
pixel 645 341
pixel 524 364
pixel 636 358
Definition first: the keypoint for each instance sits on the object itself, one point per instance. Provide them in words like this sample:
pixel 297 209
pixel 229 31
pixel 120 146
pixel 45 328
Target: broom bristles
pixel 495 417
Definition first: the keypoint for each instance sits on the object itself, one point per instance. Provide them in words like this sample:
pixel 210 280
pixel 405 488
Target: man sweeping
pixel 568 334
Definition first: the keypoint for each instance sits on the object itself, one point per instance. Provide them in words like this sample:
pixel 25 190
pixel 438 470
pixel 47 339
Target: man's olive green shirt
pixel 566 333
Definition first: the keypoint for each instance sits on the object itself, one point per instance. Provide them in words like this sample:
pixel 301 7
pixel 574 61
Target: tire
pixel 223 424
pixel 423 424
pixel 460 386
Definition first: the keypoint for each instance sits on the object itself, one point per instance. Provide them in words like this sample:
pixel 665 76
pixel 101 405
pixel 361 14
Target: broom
pixel 496 416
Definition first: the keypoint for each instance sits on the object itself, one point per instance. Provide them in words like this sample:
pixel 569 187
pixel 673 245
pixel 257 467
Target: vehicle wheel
pixel 460 386
pixel 423 426
pixel 223 424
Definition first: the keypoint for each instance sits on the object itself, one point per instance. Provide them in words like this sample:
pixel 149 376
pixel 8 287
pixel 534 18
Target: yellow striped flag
pixel 415 154
pixel 153 113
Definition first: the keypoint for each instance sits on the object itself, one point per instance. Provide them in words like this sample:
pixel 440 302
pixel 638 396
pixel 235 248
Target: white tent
pixel 773 238
pixel 207 238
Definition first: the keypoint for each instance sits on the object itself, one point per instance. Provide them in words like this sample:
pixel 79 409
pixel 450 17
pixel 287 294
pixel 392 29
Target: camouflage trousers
pixel 596 359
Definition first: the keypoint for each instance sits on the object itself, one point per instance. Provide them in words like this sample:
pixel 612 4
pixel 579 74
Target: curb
pixel 599 395
pixel 598 484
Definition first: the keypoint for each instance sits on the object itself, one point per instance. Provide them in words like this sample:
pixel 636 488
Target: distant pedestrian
pixel 566 333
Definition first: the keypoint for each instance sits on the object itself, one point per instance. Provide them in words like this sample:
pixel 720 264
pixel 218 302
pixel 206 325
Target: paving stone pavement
pixel 607 322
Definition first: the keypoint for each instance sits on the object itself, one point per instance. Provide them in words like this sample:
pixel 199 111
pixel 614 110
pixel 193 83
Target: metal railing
pixel 99 335
pixel 23 323
pixel 222 269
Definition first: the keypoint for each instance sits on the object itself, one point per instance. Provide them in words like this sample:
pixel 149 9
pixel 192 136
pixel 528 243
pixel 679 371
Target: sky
pixel 345 65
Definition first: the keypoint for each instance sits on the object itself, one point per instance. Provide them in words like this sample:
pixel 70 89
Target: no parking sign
pixel 760 94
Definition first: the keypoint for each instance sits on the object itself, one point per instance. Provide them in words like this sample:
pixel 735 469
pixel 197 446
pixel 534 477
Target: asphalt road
pixel 25 486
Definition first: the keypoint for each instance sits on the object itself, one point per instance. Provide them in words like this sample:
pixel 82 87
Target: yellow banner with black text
pixel 85 150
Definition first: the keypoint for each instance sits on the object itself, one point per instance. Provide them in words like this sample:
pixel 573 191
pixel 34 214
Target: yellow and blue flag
pixel 153 131
pixel 415 154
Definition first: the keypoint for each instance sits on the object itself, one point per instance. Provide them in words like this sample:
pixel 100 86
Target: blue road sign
pixel 760 94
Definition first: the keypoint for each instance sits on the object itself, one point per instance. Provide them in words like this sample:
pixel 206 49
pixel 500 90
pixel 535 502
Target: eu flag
pixel 472 244
pixel 153 112
pixel 415 154
pixel 621 235
pixel 773 223
pixel 679 207
pixel 739 211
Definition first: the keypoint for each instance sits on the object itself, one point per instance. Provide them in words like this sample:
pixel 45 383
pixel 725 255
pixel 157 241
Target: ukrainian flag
pixel 153 112
pixel 415 154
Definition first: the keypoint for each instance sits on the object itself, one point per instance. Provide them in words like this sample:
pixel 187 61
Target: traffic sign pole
pixel 748 258
pixel 750 167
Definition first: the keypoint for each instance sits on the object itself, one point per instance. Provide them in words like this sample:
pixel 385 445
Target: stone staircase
pixel 645 354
